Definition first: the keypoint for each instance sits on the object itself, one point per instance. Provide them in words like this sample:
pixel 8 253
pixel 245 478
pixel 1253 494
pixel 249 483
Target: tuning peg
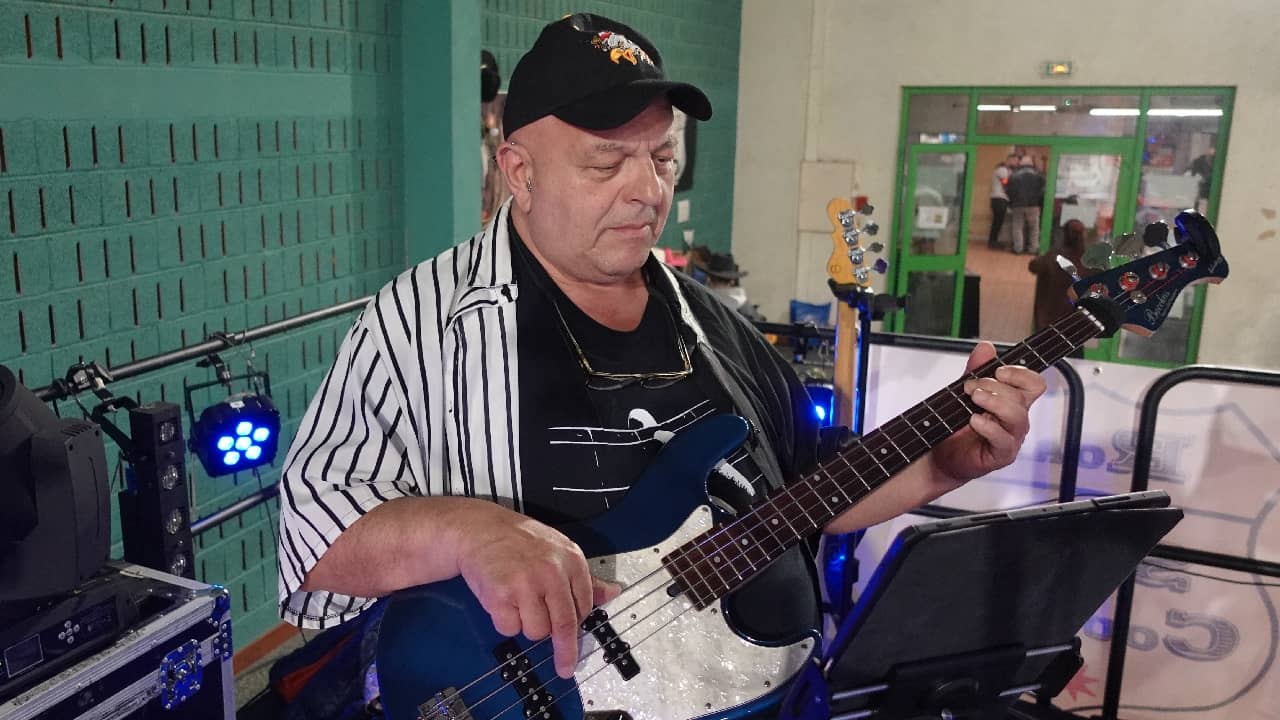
pixel 1156 235
pixel 871 228
pixel 867 209
pixel 862 275
pixel 846 219
pixel 876 247
pixel 856 255
pixel 1069 267
pixel 881 266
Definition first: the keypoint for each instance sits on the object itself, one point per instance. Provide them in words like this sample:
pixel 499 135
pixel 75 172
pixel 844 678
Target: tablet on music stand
pixel 964 615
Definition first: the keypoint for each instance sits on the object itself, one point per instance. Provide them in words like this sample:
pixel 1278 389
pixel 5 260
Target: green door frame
pixel 1130 148
pixel 909 262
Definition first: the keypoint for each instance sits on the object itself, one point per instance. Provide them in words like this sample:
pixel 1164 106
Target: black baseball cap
pixel 593 73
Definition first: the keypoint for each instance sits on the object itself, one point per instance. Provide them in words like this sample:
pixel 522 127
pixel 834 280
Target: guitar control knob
pixel 1189 261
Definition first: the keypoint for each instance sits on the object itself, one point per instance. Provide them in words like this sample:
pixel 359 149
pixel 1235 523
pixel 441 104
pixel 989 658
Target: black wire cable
pixel 1254 583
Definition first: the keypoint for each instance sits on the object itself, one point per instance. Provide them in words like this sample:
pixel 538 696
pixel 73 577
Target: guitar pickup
pixel 517 670
pixel 616 652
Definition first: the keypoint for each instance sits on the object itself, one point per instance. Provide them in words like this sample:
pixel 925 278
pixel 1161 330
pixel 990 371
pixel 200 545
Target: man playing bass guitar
pixel 526 377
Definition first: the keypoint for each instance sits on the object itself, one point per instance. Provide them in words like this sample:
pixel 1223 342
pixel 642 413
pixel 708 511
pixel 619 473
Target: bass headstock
pixel 1141 292
pixel 849 262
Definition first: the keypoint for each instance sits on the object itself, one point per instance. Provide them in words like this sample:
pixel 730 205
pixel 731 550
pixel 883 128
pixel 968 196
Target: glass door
pixel 1087 181
pixel 932 239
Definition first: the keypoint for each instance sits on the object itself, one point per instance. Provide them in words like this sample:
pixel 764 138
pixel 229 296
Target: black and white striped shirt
pixel 423 399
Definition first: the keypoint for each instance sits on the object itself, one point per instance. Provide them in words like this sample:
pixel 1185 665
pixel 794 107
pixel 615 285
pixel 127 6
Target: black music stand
pixel 964 615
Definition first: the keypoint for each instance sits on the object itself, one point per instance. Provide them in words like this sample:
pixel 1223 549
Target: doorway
pixel 1113 159
pixel 1005 285
pixel 961 285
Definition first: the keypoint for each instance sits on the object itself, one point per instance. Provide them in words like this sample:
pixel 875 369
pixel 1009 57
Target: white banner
pixel 1199 648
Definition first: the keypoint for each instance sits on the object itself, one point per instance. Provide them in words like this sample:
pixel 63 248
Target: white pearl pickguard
pixel 692 664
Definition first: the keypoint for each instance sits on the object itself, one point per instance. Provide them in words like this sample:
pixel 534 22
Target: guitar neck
pixel 725 557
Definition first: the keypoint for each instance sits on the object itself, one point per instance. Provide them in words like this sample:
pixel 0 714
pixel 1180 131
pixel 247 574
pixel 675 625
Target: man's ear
pixel 517 169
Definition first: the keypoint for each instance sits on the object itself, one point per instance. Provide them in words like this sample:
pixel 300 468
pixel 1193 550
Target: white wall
pixel 834 94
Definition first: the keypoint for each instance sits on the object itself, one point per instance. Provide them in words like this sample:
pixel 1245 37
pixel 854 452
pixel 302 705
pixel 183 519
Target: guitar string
pixel 823 470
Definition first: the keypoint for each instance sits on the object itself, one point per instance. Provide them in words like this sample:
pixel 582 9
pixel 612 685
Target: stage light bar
pixel 1038 108
pixel 994 108
pixel 1113 112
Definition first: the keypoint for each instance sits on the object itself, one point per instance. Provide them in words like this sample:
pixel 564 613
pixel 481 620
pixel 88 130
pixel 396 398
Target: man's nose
pixel 646 184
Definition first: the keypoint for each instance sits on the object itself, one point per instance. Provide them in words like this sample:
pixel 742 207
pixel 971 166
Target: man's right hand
pixel 531 579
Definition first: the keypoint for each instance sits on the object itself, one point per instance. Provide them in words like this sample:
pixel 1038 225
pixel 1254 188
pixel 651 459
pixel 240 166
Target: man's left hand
pixel 993 437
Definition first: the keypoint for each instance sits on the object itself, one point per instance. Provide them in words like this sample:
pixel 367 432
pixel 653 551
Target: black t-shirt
pixel 582 448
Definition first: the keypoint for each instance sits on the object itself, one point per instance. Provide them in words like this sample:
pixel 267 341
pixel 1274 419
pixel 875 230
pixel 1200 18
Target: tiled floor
pixel 1007 292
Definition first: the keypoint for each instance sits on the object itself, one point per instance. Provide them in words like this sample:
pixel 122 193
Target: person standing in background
pixel 999 198
pixel 1052 282
pixel 1026 194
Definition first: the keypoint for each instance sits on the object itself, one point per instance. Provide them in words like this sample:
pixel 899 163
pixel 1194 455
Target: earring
pixel 528 185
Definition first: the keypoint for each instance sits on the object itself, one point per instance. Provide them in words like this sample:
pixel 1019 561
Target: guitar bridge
pixel 444 705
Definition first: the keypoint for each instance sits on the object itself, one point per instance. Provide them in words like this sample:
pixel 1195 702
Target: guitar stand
pixel 871 306
pixel 965 615
pixel 839 565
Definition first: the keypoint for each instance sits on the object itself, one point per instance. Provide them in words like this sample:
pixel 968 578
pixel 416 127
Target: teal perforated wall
pixel 699 42
pixel 170 168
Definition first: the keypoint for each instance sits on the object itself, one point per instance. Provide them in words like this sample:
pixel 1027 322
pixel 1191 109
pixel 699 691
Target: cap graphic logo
pixel 619 48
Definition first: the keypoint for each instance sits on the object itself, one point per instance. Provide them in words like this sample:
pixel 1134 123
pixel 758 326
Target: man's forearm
pixel 920 483
pixel 401 543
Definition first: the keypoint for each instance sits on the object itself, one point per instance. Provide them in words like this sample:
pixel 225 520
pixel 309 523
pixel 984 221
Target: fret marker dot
pixel 884 451
pixel 774 521
pixel 745 542
pixel 835 499
pixel 927 423
pixel 715 558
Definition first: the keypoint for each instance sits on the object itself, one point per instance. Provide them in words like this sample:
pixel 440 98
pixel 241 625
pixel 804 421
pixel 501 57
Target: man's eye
pixel 607 168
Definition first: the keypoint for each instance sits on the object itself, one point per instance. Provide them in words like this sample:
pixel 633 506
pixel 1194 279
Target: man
pixel 522 379
pixel 1026 195
pixel 1202 167
pixel 1000 198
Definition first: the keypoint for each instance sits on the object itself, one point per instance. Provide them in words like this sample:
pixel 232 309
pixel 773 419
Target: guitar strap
pixel 758 445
